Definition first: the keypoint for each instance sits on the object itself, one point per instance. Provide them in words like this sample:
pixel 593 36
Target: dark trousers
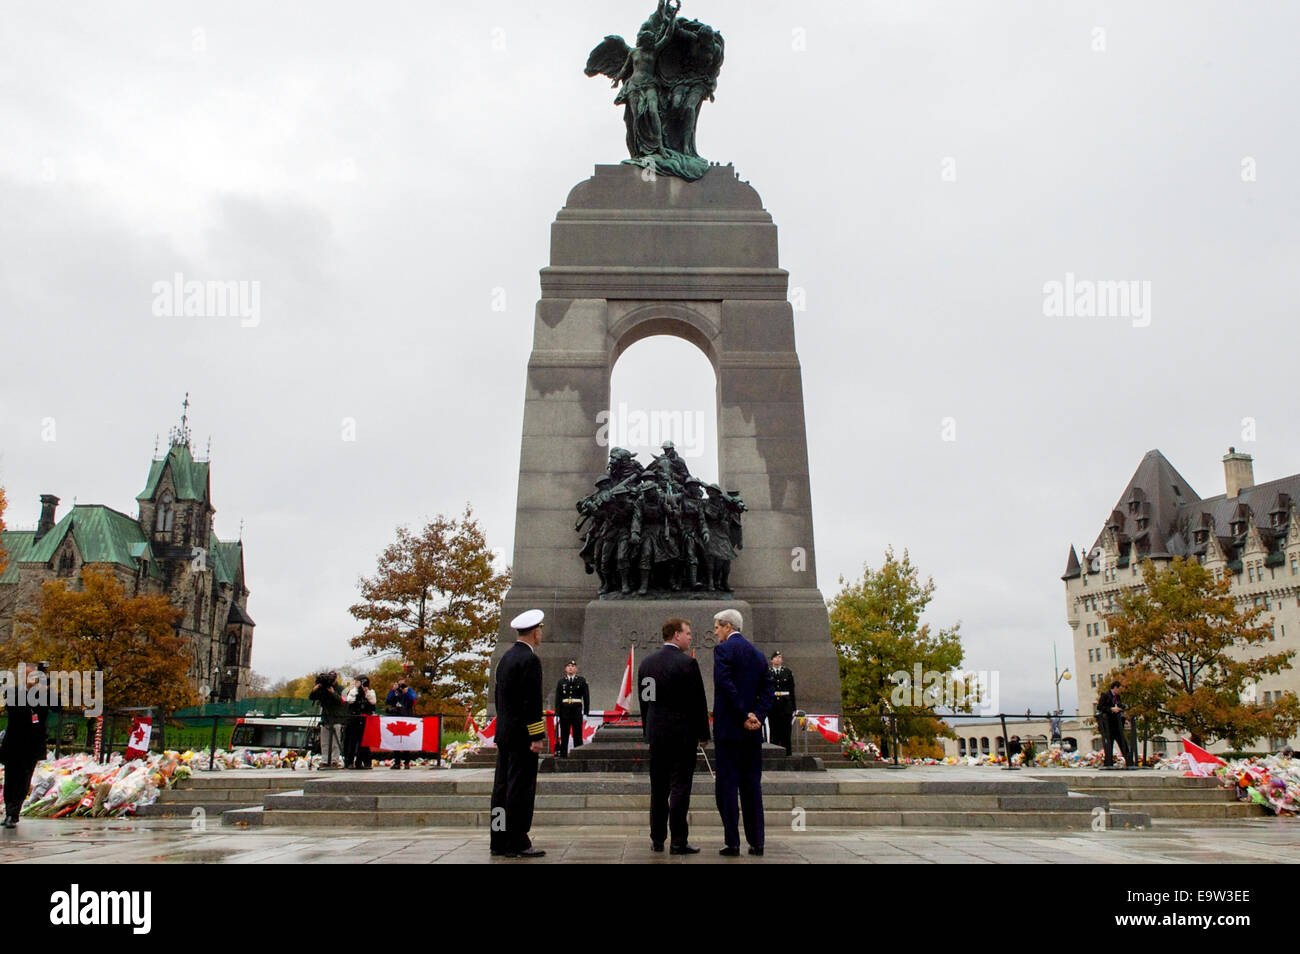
pixel 514 787
pixel 18 781
pixel 739 767
pixel 570 724
pixel 352 741
pixel 1112 732
pixel 778 721
pixel 672 769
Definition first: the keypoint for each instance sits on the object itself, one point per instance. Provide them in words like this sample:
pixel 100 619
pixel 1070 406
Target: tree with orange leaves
pixel 98 627
pixel 434 605
pixel 1192 657
pixel 4 557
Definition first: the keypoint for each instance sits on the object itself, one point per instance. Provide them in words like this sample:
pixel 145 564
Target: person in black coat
pixel 520 738
pixel 674 719
pixel 572 703
pixel 742 698
pixel 22 747
pixel 1110 721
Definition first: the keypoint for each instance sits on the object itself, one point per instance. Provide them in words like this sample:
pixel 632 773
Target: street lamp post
pixel 1065 674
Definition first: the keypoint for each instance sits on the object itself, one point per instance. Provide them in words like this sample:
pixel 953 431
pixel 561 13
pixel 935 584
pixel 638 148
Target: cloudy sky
pixel 388 173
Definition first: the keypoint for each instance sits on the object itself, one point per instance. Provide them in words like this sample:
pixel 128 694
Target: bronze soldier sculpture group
pixel 657 531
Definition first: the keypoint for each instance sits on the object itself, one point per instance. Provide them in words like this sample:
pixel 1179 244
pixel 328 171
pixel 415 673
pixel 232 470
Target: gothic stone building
pixel 168 548
pixel 1249 533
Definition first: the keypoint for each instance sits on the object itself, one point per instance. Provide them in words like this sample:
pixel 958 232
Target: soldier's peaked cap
pixel 527 620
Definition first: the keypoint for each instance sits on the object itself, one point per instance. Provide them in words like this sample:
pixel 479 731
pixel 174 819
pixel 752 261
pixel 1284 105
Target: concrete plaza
pixel 144 841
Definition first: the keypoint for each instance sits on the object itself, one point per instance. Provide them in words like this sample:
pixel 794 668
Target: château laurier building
pixel 168 548
pixel 1250 533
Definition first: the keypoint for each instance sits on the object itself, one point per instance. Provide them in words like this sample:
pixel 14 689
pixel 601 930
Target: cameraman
pixel 332 710
pixel 361 703
pixel 401 702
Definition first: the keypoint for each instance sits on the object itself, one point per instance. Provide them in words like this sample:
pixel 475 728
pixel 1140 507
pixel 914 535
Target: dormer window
pixel 165 519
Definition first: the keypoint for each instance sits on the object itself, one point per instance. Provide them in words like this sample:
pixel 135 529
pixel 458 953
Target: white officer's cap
pixel 527 620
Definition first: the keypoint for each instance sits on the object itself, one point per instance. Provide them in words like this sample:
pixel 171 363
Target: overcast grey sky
pixel 389 172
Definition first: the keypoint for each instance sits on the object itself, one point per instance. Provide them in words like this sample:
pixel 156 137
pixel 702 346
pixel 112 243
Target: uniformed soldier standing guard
pixel 520 737
pixel 782 714
pixel 572 703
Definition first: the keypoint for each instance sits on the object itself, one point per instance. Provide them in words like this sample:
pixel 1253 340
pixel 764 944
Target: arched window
pixel 232 649
pixel 166 517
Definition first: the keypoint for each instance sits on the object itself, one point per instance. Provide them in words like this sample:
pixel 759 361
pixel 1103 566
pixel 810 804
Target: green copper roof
pixel 226 558
pixel 188 475
pixel 17 544
pixel 102 534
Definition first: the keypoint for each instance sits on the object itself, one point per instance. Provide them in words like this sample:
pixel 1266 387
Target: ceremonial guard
pixel 783 705
pixel 572 703
pixel 520 737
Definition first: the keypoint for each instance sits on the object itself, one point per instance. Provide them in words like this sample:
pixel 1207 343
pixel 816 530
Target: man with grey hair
pixel 742 698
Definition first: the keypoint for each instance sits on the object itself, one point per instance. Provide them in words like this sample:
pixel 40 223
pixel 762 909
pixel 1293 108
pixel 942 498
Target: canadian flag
pixel 137 746
pixel 1199 761
pixel 827 725
pixel 624 704
pixel 488 736
pixel 400 734
pixel 589 726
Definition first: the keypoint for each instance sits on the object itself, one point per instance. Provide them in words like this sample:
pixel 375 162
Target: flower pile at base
pixel 1272 781
pixel 78 786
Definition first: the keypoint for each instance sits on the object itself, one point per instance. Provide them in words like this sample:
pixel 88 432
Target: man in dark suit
pixel 23 745
pixel 675 719
pixel 781 717
pixel 1110 721
pixel 572 703
pixel 520 738
pixel 742 698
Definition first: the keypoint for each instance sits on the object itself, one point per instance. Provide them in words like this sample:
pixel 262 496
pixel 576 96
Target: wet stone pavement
pixel 172 841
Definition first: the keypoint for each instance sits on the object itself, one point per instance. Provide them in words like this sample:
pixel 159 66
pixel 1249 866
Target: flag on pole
pixel 624 704
pixel 488 736
pixel 137 746
pixel 1199 761
pixel 401 734
pixel 828 726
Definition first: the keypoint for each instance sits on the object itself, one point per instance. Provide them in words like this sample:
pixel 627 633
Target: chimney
pixel 1238 472
pixel 48 503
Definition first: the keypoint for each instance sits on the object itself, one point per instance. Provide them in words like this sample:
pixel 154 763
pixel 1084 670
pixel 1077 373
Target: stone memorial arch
pixel 634 255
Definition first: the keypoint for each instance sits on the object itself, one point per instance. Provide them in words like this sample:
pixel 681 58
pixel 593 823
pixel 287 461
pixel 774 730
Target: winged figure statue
pixel 664 81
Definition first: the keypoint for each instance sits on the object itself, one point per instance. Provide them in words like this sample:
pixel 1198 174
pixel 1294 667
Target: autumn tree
pixel 4 558
pixel 877 632
pixel 434 606
pixel 1184 626
pixel 130 639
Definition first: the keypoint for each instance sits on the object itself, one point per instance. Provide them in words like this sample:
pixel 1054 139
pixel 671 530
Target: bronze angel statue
pixel 665 79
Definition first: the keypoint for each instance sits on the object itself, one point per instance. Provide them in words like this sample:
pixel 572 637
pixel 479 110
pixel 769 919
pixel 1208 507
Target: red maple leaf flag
pixel 624 704
pixel 401 734
pixel 137 746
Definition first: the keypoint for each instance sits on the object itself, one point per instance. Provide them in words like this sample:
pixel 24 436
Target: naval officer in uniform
pixel 781 717
pixel 572 703
pixel 520 737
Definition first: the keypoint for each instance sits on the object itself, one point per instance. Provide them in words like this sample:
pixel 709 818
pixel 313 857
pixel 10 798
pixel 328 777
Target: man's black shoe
pixel 499 853
pixel 731 851
pixel 11 821
pixel 683 850
pixel 657 846
pixel 756 851
pixel 531 853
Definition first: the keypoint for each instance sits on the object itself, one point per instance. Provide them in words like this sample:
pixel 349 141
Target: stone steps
pixel 218 792
pixel 623 801
pixel 1165 796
